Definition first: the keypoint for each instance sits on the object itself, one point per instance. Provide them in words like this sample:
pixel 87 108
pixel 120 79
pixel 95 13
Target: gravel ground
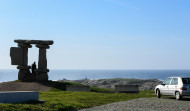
pixel 146 104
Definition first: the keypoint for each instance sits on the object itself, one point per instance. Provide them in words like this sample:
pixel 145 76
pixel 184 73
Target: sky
pixel 100 34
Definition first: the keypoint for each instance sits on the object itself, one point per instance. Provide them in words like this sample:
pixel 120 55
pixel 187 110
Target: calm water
pixel 10 75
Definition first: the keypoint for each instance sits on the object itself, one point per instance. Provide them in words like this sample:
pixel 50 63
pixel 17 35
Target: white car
pixel 176 86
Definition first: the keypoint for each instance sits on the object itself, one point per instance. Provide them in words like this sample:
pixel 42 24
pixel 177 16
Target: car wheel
pixel 158 93
pixel 178 96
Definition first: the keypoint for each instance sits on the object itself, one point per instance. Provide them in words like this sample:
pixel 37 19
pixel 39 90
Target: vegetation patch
pixel 57 99
pixel 71 101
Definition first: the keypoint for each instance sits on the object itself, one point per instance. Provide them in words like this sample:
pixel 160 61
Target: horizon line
pixel 106 69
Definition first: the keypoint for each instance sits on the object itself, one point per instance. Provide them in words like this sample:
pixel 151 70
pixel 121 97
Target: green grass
pixel 68 101
pixel 57 99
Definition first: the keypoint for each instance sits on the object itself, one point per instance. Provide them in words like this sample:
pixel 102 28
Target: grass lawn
pixel 57 99
pixel 71 101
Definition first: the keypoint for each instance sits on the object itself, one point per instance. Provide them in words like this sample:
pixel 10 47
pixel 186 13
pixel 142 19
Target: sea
pixel 11 75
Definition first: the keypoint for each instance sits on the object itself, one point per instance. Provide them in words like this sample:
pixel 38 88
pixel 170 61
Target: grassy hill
pixel 57 99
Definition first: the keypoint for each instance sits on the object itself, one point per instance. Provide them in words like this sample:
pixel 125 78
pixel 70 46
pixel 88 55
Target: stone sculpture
pixel 19 56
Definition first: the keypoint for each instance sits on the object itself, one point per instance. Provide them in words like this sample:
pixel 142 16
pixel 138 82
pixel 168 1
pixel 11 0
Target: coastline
pixel 144 84
pixel 11 75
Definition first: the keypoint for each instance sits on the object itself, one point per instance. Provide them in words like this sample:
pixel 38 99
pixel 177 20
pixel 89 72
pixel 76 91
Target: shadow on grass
pixel 30 102
pixel 56 86
pixel 35 102
pixel 61 86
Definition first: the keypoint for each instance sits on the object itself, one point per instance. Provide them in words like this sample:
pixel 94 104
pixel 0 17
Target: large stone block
pixel 46 42
pixel 18 96
pixel 77 88
pixel 127 88
pixel 17 57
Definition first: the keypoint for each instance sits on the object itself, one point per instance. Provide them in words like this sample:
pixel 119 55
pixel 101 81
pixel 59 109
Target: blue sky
pixel 100 34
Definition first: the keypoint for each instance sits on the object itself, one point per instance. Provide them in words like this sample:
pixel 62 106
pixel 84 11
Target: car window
pixel 174 81
pixel 186 80
pixel 167 81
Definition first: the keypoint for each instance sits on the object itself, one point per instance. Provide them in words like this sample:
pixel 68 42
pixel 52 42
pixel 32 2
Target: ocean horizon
pixel 12 74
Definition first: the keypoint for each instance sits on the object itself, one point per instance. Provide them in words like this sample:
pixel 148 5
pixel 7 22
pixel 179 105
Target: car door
pixel 164 88
pixel 173 86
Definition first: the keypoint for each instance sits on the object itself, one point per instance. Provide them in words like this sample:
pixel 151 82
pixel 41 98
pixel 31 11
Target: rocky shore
pixel 144 84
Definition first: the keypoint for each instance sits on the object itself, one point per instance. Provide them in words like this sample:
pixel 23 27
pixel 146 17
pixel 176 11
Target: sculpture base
pixel 23 74
pixel 42 76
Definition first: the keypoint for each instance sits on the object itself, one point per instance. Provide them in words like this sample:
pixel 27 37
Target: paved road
pixel 146 104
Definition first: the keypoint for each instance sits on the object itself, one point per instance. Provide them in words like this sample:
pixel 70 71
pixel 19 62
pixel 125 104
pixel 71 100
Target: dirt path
pixel 23 86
